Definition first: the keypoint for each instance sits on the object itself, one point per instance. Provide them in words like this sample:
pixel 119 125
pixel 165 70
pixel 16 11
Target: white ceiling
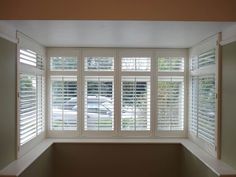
pixel 145 34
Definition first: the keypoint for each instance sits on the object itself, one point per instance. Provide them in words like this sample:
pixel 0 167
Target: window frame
pixel 174 53
pixel 97 52
pixel 135 53
pixel 62 52
pixel 118 53
pixel 195 51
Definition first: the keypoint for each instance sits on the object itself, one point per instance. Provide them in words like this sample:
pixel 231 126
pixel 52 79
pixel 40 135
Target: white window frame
pixel 135 53
pixel 97 52
pixel 62 52
pixel 173 53
pixel 204 46
pixel 118 53
pixel 25 42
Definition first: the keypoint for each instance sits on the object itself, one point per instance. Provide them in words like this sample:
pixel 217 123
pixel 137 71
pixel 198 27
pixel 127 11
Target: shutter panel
pixel 99 63
pixel 63 63
pixel 206 58
pixel 136 64
pixel 28 108
pixel 135 103
pixel 28 57
pixel 64 102
pixel 170 103
pixel 31 99
pixel 171 64
pixel 203 101
pixel 206 108
pixel 99 103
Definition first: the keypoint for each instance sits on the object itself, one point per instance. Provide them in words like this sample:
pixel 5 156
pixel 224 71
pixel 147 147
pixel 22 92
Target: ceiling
pixel 146 34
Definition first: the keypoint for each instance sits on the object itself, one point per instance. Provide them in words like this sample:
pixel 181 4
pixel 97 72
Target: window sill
pixel 18 166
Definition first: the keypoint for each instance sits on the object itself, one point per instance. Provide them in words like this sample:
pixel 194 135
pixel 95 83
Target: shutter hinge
pixel 216 96
pixel 18 94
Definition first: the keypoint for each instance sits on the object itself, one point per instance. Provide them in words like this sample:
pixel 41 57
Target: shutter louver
pixel 64 102
pixel 135 103
pixel 28 57
pixel 170 103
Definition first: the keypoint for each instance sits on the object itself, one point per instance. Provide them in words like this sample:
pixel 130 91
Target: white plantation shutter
pixel 206 58
pixel 135 103
pixel 31 95
pixel 170 94
pixel 63 103
pixel 63 67
pixel 99 63
pixel 170 103
pixel 114 95
pixel 136 64
pixel 203 99
pixel 28 108
pixel 170 64
pixel 99 103
pixel 206 108
pixel 63 63
pixel 99 67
